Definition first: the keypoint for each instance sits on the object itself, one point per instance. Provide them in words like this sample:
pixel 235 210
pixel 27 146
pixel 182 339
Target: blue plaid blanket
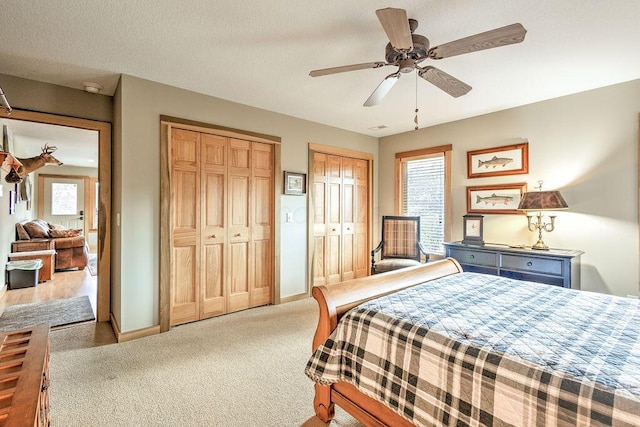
pixel 473 349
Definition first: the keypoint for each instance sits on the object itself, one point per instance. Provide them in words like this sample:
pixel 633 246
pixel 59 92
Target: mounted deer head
pixel 32 163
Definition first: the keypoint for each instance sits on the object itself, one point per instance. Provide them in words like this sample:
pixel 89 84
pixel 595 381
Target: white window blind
pixel 423 195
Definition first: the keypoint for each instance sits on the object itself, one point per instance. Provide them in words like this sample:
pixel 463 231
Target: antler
pixel 48 149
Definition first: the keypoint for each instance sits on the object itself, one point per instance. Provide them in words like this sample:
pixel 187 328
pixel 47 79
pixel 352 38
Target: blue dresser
pixel 554 267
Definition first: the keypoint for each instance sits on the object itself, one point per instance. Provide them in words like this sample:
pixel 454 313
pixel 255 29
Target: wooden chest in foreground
pixel 24 377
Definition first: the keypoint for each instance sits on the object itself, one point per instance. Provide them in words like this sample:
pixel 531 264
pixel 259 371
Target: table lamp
pixel 541 201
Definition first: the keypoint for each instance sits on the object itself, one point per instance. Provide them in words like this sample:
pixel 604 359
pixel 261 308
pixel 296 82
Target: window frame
pixel 401 160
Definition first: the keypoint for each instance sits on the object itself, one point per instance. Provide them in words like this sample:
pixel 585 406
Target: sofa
pixel 70 245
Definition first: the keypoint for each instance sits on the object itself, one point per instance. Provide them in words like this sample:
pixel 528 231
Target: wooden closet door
pixel 341 219
pixel 239 227
pixel 348 218
pixel 262 261
pixel 319 218
pixel 361 248
pixel 333 248
pixel 185 221
pixel 213 229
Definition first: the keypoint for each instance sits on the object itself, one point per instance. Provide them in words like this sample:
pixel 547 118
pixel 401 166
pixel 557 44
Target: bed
pixel 433 345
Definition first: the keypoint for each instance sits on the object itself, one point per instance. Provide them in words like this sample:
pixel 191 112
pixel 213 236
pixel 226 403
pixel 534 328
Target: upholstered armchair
pixel 400 246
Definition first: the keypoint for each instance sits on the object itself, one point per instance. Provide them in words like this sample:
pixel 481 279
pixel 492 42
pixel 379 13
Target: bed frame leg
pixel 322 403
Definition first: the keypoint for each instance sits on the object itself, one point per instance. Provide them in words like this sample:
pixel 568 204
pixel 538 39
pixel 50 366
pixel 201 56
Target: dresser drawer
pixel 532 264
pixel 470 256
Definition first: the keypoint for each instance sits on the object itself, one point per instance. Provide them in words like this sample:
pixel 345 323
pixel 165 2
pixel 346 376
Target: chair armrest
pixel 424 251
pixel 376 250
pixel 373 257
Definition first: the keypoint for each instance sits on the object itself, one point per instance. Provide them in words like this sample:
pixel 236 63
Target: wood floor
pixel 64 284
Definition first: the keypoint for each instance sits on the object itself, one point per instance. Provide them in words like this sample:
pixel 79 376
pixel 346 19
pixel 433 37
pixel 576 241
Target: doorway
pixel 102 203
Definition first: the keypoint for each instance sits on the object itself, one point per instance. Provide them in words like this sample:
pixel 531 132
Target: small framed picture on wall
pixel 295 183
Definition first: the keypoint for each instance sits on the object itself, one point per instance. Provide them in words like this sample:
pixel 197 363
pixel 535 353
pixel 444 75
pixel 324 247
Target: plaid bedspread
pixel 472 349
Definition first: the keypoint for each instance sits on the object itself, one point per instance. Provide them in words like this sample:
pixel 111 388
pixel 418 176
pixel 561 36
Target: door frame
pixel 104 196
pixel 166 271
pixel 342 152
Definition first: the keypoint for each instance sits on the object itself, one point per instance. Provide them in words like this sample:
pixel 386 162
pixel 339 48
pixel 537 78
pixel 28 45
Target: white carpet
pixel 242 369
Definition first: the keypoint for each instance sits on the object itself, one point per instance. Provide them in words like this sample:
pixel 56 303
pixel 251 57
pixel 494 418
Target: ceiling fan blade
pixel 382 89
pixel 396 25
pixel 444 81
pixel 335 70
pixel 503 36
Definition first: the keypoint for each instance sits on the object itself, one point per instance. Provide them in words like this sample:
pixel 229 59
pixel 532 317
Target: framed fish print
pixel 506 160
pixel 495 199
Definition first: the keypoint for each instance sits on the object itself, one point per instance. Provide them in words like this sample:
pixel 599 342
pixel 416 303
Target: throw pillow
pixel 36 230
pixel 64 233
pixel 22 233
pixel 57 227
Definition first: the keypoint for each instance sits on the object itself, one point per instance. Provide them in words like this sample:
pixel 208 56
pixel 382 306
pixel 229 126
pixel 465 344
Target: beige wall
pixel 31 95
pixel 137 170
pixel 583 144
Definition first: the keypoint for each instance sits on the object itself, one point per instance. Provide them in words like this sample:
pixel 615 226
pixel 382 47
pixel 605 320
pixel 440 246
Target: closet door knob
pixel 237 235
pixel 213 236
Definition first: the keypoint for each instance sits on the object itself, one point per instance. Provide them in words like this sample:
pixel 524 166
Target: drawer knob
pixel 529 264
pixel 472 256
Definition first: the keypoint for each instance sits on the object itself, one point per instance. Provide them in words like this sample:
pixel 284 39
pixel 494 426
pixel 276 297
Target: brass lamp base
pixel 540 246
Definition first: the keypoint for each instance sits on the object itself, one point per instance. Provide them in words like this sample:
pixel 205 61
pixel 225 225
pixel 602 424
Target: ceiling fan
pixel 406 50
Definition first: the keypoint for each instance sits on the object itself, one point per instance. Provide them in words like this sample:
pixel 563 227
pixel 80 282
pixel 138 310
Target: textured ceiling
pixel 259 53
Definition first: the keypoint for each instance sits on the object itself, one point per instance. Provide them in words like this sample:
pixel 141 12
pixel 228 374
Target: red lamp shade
pixel 542 201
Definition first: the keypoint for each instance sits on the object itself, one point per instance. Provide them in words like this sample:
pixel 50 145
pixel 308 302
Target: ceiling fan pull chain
pixel 415 119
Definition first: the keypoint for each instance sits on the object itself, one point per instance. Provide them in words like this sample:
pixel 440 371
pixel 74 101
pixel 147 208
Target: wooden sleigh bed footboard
pixel 334 301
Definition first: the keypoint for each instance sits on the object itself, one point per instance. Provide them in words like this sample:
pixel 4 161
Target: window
pixel 424 190
pixel 64 199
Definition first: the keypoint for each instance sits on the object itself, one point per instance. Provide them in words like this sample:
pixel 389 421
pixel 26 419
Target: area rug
pixel 93 265
pixel 56 313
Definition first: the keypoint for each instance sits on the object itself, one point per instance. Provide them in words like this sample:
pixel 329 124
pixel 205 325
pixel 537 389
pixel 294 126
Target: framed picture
pixel 472 230
pixel 295 183
pixel 495 199
pixel 507 160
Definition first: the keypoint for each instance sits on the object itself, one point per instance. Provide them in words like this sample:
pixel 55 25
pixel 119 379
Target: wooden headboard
pixel 335 300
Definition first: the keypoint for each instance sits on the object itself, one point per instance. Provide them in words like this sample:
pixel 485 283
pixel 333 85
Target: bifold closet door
pixel 262 256
pixel 185 226
pixel 213 231
pixel 222 198
pixel 341 222
pixel 251 224
pixel 361 248
pixel 239 226
pixel 319 218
